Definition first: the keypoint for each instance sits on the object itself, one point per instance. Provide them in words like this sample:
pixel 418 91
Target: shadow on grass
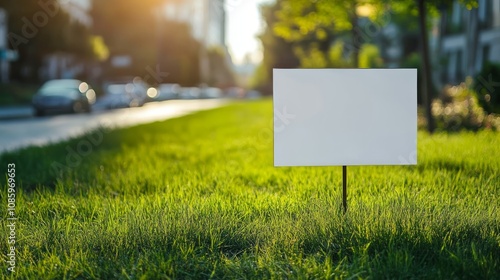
pixel 457 167
pixel 46 167
pixel 217 247
pixel 401 252
pixel 76 165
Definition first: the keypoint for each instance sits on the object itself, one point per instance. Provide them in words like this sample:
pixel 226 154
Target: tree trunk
pixel 472 39
pixel 426 67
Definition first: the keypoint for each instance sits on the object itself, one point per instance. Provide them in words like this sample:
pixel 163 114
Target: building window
pixel 482 10
pixel 454 20
pixel 486 14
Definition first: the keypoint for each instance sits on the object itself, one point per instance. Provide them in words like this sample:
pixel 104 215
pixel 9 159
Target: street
pixel 18 133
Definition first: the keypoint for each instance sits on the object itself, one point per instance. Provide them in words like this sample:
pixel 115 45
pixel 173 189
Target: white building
pixel 467 39
pixel 205 17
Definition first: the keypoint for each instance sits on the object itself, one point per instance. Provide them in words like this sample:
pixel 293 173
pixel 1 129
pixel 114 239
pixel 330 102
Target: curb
pixel 8 113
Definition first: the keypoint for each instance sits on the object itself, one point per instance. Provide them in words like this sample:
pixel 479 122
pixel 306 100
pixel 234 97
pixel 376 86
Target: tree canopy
pixel 313 28
pixel 36 29
pixel 140 31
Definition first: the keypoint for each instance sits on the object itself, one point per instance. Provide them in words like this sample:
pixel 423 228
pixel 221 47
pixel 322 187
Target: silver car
pixel 124 93
pixel 63 96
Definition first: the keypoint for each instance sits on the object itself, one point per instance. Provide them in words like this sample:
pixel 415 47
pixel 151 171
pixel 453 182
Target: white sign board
pixel 328 117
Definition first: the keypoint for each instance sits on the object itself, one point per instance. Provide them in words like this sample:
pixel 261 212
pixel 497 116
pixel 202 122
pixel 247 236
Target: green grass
pixel 198 197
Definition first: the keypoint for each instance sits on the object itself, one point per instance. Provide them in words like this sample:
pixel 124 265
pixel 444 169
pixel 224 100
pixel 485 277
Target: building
pixel 207 20
pixel 465 40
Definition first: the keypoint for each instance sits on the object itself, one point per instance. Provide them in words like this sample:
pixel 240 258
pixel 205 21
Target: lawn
pixel 198 197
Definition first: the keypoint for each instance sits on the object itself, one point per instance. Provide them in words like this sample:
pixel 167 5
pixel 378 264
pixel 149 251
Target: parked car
pixel 63 96
pixel 124 93
pixel 190 93
pixel 117 96
pixel 235 92
pixel 253 94
pixel 168 91
pixel 152 94
pixel 211 92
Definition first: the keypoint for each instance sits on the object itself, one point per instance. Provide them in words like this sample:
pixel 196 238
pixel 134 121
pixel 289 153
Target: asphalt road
pixel 18 133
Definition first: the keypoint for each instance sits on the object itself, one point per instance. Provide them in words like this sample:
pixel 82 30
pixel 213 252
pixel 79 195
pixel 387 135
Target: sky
pixel 243 24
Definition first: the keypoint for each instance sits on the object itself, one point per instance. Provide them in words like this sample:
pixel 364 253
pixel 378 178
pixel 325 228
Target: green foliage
pixel 458 108
pixel 198 197
pixel 179 54
pixel 369 57
pixel 277 53
pixel 307 23
pixel 310 22
pixel 487 86
pixel 260 76
pixel 100 48
pixel 312 58
pixel 409 7
pixel 414 60
pixel 220 74
pixel 337 57
pixel 298 19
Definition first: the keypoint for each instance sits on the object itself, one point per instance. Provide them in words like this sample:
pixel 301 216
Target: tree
pixel 220 74
pixel 277 52
pixel 37 29
pixel 324 19
pixel 301 18
pixel 426 78
pixel 423 7
pixel 128 28
pixel 139 30
pixel 179 54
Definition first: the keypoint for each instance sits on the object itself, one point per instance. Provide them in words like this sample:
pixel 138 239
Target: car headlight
pixel 91 96
pixel 152 92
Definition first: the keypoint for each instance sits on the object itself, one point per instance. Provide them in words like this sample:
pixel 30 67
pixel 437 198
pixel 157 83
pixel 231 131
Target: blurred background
pixel 124 53
pixel 176 42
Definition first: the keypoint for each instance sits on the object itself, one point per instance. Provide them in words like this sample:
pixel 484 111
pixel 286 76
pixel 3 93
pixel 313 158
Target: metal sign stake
pixel 344 188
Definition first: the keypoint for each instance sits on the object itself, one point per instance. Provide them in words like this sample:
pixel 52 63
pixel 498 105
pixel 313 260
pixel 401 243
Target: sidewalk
pixel 16 112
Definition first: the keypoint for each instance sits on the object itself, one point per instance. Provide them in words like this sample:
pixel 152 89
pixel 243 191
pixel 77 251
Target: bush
pixel 16 94
pixel 458 108
pixel 487 86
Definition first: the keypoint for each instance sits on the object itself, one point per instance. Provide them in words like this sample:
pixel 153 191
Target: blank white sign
pixel 327 117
